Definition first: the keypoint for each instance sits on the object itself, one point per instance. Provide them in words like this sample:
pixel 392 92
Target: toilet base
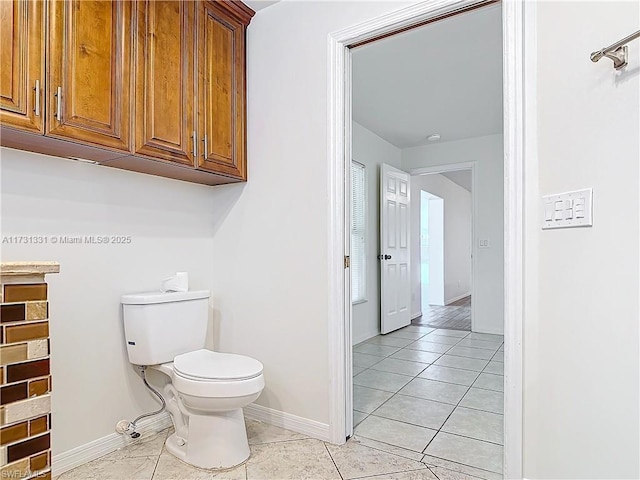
pixel 214 441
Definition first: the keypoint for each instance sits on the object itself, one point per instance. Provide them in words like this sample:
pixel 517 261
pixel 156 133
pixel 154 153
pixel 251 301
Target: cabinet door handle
pixel 204 153
pixel 58 96
pixel 36 105
pixel 194 136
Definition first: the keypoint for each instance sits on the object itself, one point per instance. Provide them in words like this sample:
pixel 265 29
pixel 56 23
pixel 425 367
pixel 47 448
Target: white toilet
pixel 207 391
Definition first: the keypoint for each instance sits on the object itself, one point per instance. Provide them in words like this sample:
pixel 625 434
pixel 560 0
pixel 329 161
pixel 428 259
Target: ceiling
pixel 259 4
pixel 445 77
pixel 460 177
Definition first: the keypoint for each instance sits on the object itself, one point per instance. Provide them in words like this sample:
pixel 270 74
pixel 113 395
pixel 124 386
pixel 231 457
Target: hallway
pixel 456 315
pixel 435 392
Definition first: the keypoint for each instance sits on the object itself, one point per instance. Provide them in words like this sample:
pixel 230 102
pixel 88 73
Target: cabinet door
pixel 89 80
pixel 164 85
pixel 221 92
pixel 22 64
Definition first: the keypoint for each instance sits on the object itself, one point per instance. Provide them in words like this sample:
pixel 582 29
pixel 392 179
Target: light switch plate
pixel 567 210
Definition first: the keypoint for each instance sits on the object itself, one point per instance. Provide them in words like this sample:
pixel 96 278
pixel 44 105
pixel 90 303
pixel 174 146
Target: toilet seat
pixel 207 366
pixel 206 374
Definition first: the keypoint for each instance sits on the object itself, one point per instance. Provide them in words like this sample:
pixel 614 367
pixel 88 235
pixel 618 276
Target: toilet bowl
pixel 205 399
pixel 206 391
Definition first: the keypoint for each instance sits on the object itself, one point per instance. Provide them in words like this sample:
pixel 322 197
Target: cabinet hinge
pixel 347 263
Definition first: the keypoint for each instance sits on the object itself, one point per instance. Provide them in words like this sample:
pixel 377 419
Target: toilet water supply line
pixel 124 426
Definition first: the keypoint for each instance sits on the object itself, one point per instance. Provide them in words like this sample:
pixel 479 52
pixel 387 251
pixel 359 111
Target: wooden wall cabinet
pixel 164 80
pixel 151 86
pixel 221 89
pixel 22 64
pixel 89 81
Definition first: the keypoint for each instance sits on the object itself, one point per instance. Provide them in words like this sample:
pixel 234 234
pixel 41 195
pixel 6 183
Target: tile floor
pixel 276 454
pixel 428 406
pixel 434 394
pixel 456 315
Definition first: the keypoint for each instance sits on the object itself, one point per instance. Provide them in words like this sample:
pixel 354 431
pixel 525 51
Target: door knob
pixel 387 257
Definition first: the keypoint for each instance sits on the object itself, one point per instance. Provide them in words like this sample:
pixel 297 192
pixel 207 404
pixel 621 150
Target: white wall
pixel 372 151
pixel 271 253
pixel 581 331
pixel 457 237
pixel 489 275
pixel 171 225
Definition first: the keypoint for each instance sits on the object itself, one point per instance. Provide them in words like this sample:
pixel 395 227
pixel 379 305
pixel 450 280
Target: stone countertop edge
pixel 28 268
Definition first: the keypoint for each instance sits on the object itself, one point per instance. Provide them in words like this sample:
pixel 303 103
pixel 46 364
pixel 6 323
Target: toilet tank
pixel 158 326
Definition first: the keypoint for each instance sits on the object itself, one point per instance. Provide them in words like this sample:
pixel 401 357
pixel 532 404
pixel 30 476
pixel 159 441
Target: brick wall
pixel 25 380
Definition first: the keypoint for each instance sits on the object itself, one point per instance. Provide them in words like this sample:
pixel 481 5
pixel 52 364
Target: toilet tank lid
pixel 146 298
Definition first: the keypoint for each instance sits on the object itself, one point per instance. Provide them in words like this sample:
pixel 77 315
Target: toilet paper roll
pixel 177 283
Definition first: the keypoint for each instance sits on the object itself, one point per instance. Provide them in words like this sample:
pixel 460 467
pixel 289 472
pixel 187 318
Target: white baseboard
pixel 455 299
pixel 364 336
pixel 75 457
pixel 288 421
pixel 489 331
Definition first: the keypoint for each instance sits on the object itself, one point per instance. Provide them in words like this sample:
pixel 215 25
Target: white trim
pixel 456 167
pixel 447 167
pixel 347 309
pixel 365 336
pixel 65 461
pixel 288 421
pixel 339 311
pixel 474 246
pixel 513 18
pixel 456 298
pixel 340 140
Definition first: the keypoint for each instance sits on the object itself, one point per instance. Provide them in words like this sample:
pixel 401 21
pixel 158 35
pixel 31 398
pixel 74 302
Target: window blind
pixel 358 221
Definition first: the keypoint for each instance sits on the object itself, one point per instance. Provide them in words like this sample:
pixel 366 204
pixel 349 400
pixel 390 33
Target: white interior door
pixel 395 295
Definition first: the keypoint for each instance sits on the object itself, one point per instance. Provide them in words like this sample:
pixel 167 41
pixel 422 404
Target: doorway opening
pixel 340 153
pixel 431 252
pixel 443 248
pixel 341 42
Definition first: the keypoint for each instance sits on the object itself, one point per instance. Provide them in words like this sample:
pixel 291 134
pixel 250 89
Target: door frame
pixel 456 167
pixel 518 32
